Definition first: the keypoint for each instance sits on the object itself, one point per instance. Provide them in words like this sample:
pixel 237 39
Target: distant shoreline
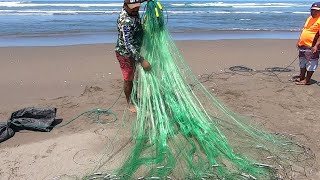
pixel 110 37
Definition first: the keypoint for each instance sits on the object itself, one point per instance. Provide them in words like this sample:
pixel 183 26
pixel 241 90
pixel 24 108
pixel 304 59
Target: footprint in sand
pixel 51 148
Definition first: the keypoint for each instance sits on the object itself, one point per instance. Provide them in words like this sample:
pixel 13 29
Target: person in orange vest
pixel 308 46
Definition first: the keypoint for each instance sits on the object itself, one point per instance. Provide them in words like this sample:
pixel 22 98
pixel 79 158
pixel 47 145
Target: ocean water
pixel 84 19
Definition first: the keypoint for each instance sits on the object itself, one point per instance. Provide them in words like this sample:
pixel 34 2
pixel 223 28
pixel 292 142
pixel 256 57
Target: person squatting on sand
pixel 129 42
pixel 308 45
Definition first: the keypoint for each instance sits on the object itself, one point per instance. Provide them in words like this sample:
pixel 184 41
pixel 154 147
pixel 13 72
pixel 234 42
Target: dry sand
pixel 58 77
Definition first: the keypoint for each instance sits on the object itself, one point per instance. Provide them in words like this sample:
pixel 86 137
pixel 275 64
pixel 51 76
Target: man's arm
pixel 129 41
pixel 315 47
pixel 135 54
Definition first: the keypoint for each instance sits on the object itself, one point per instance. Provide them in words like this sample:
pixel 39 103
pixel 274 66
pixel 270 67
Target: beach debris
pixel 31 118
pixel 91 89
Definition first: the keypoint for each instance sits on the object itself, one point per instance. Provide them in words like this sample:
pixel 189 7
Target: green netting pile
pixel 181 131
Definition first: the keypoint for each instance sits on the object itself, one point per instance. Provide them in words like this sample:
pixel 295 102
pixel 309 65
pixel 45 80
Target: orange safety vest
pixel 310 32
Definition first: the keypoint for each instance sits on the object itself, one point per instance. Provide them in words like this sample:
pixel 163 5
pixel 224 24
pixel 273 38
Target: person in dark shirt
pixel 129 42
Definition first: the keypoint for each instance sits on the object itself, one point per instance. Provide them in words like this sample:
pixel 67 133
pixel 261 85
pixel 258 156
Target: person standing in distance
pixel 308 45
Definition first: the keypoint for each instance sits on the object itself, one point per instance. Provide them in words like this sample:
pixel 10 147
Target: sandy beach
pixel 78 78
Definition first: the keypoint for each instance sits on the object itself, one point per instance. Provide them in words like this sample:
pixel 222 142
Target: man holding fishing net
pixel 130 35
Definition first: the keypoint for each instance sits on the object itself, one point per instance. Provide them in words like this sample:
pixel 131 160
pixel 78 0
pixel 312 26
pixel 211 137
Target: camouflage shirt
pixel 130 34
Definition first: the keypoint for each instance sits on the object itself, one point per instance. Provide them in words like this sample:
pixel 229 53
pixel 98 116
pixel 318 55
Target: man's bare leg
pixel 127 86
pixel 302 73
pixel 307 80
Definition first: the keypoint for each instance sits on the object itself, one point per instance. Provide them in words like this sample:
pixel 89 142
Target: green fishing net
pixel 181 131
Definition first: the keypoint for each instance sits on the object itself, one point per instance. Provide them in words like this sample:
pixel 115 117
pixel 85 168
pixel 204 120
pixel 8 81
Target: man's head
pixel 315 10
pixel 133 4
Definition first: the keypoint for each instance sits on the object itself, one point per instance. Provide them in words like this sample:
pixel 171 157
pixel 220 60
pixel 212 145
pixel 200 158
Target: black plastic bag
pixel 31 118
pixel 5 132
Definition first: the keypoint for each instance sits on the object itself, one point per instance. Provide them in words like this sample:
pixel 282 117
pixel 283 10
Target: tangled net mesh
pixel 181 131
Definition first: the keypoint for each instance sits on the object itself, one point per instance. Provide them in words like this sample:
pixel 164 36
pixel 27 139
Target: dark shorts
pixel 127 66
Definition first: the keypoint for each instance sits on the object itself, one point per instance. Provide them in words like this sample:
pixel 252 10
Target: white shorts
pixel 311 65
